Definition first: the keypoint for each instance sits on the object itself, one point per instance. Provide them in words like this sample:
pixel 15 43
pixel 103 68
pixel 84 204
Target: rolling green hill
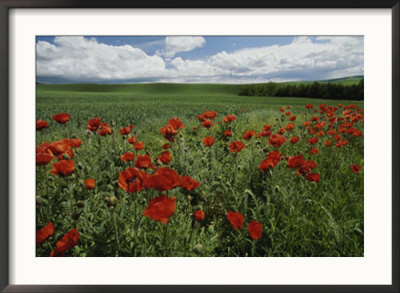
pixel 170 88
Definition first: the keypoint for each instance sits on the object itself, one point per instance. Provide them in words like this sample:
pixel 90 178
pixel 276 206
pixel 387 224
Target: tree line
pixel 315 89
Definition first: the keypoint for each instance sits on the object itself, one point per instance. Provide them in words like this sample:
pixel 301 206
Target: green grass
pixel 299 218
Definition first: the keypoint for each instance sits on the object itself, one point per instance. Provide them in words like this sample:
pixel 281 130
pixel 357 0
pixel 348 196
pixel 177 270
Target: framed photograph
pixel 199 146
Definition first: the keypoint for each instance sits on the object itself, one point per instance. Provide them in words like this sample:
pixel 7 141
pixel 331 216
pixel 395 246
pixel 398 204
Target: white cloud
pixel 75 58
pixel 333 57
pixel 78 58
pixel 175 45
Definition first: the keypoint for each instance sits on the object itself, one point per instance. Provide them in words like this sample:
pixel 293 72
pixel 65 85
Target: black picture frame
pixel 6 5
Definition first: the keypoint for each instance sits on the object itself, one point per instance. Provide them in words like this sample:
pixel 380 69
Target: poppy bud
pixel 80 203
pixel 190 198
pixel 180 135
pixel 66 156
pixel 258 142
pixel 75 215
pixel 198 248
pixel 80 166
pixel 88 133
pixel 265 150
pixel 112 201
pixel 277 188
pixel 74 135
pixel 211 229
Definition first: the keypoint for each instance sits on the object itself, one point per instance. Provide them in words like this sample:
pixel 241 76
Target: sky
pixel 196 59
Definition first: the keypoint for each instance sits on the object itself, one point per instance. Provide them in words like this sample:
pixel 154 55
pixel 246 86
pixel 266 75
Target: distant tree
pixel 313 90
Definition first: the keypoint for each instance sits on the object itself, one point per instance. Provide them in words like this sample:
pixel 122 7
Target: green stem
pixel 66 129
pixel 71 200
pixel 165 240
pixel 47 190
pixel 116 231
pixel 253 248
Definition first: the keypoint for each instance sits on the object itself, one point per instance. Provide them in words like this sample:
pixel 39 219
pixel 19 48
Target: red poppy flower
pixel 355 168
pixel 207 124
pixel 176 123
pixel 315 118
pixel 63 168
pixel 281 109
pixel 90 183
pixel 309 106
pixel 328 143
pixel 235 219
pixel 61 118
pixel 266 127
pixel 228 132
pixel 294 139
pixel 266 133
pixel 314 151
pixel 255 230
pixel 132 140
pixel 288 113
pixel 44 233
pixel 164 179
pixel 143 162
pixel 313 177
pixel 165 157
pixel 289 127
pixel 208 141
pixel 320 133
pixel 139 145
pixel 296 162
pixel 313 140
pixel 341 143
pixel 236 146
pixel 132 180
pixel 43 156
pixel 69 240
pixel 337 137
pixel 306 123
pixel 127 157
pixel 270 161
pixel 198 215
pixel 168 131
pixel 189 183
pixel 281 131
pixel 58 147
pixel 210 114
pixel 248 134
pixel 292 118
pixel 276 140
pixel 165 146
pixel 73 143
pixel 229 118
pixel 320 125
pixel 354 132
pixel 104 130
pixel 94 124
pixel 161 208
pixel 41 124
pixel 125 130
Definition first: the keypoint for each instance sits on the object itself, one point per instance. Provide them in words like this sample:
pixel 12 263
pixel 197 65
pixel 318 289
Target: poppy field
pixel 196 170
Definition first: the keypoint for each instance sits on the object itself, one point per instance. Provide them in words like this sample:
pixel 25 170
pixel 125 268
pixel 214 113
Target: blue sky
pixel 196 59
